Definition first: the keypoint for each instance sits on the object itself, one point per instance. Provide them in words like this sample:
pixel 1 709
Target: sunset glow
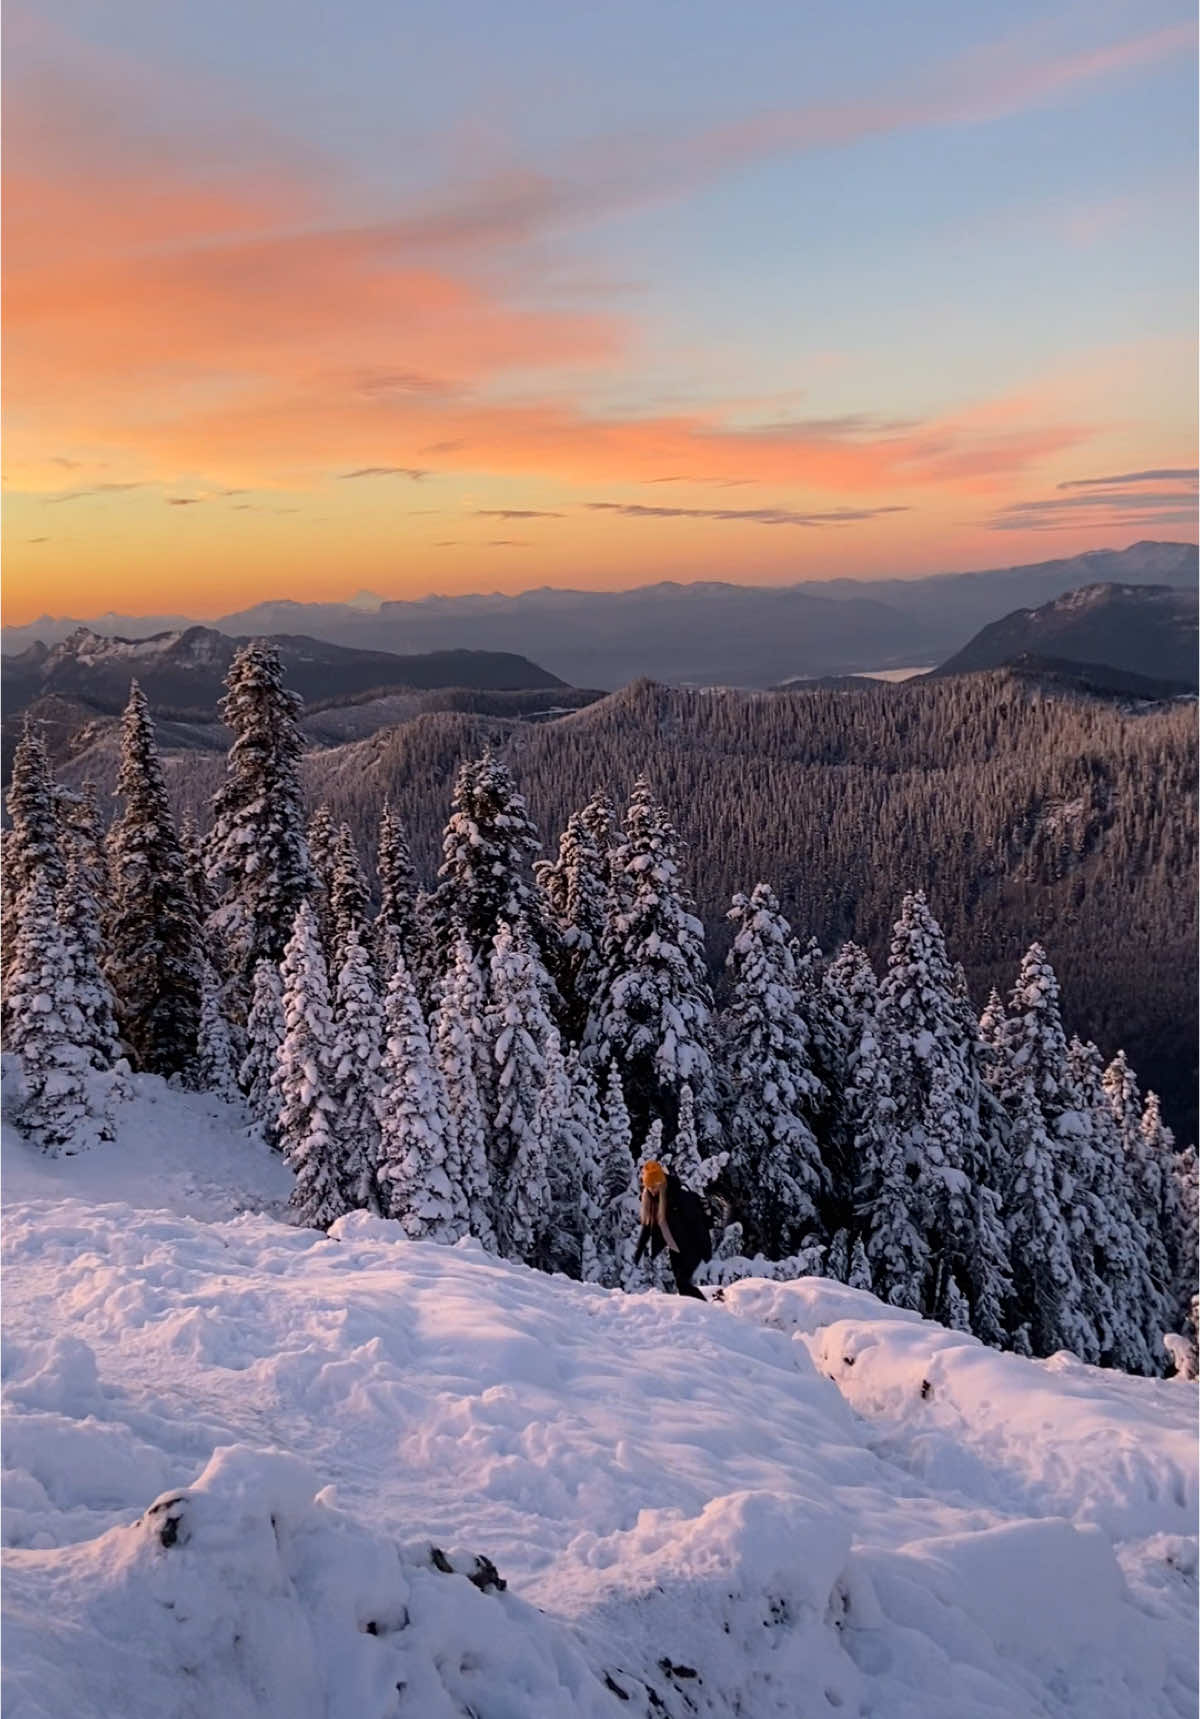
pixel 457 313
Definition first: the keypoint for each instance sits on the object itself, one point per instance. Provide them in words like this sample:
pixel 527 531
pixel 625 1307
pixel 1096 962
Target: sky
pixel 302 300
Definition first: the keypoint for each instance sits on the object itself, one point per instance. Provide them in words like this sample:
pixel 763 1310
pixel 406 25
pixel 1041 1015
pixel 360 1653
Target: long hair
pixel 651 1207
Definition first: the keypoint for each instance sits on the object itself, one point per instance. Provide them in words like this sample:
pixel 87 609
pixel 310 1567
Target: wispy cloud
pixel 1177 474
pixel 516 513
pixel 1121 501
pixel 744 515
pixel 94 489
pixel 416 473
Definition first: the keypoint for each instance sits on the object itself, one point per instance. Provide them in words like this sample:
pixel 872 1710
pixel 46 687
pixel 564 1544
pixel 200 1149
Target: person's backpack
pixel 693 1209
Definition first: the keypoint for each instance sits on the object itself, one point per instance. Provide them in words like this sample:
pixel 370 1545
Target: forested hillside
pixel 1022 815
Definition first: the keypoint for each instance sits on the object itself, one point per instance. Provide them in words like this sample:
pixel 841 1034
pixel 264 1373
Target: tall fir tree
pixel 1119 1243
pixel 575 891
pixel 414 1140
pixel 1047 1289
pixel 79 919
pixel 522 1031
pixel 356 1062
pixel 616 1191
pixel 308 1120
pixel 321 841
pixel 776 1173
pixel 1144 1182
pixel 349 898
pixel 889 1201
pixel 154 948
pixel 462 1051
pixel 259 1074
pixel 487 850
pixel 213 1069
pixel 258 865
pixel 33 843
pixel 65 1104
pixel 937 1092
pixel 397 877
pixel 654 1008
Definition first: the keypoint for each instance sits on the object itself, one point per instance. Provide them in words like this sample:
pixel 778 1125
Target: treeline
pixel 492 1056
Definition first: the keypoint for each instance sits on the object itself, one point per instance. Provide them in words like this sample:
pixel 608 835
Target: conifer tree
pixel 859 1276
pixel 203 899
pixel 1183 1237
pixel 617 1190
pixel 837 1260
pixel 356 1059
pixel 487 850
pixel 889 1202
pixel 521 1029
pixel 1047 1289
pixel 394 923
pixel 308 1120
pixel 775 1172
pixel 349 898
pixel 1144 1183
pixel 584 1129
pixel 936 1084
pixel 33 843
pixel 321 840
pixel 79 919
pixel 65 1104
pixel 654 1009
pixel 260 1072
pixel 575 891
pixel 1120 1266
pixel 153 956
pixel 258 864
pixel 414 1181
pixel 461 1050
pixel 213 1070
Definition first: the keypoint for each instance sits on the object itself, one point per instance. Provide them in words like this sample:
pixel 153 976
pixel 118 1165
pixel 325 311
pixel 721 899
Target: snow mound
pixel 250 1594
pixel 800 1503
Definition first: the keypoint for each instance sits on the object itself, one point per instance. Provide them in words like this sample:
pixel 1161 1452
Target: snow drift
pixel 259 1471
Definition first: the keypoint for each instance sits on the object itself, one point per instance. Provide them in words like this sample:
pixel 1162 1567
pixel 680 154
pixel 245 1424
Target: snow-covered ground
pixel 797 1503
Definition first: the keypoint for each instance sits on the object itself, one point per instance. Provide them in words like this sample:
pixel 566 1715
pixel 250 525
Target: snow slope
pixel 798 1503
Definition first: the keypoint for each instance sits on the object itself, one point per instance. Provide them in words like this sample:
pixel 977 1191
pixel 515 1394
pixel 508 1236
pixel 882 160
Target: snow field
pixel 754 1508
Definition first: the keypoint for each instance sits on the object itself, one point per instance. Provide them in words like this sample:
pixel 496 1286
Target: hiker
pixel 673 1217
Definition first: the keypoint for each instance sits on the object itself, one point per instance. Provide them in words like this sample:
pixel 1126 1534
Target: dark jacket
pixel 686 1219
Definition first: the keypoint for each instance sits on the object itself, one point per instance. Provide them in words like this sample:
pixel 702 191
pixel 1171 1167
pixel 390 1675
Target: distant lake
pixel 895 674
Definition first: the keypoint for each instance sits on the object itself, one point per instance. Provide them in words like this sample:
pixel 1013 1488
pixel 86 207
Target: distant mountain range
pixel 705 634
pixel 183 673
pixel 1147 632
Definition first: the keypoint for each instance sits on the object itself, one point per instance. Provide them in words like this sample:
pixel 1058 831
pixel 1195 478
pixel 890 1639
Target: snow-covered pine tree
pixel 259 1073
pixel 321 841
pixel 193 854
pixel 153 944
pixel 308 1119
pixel 349 897
pixel 936 1088
pixel 617 1189
pixel 521 1028
pixel 584 1128
pixel 33 843
pixel 837 1260
pixel 414 1124
pixel 397 889
pixel 1047 1290
pixel 1120 1266
pixel 356 1064
pixel 79 918
pixel 567 1152
pixel 776 1174
pixel 654 1007
pixel 1183 1237
pixel 1145 1195
pixel 860 1267
pixel 258 864
pixel 65 1102
pixel 462 1051
pixel 889 1203
pixel 213 1069
pixel 487 850
pixel 575 890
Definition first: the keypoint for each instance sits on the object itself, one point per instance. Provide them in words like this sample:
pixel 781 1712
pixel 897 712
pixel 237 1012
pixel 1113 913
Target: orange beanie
pixel 654 1176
